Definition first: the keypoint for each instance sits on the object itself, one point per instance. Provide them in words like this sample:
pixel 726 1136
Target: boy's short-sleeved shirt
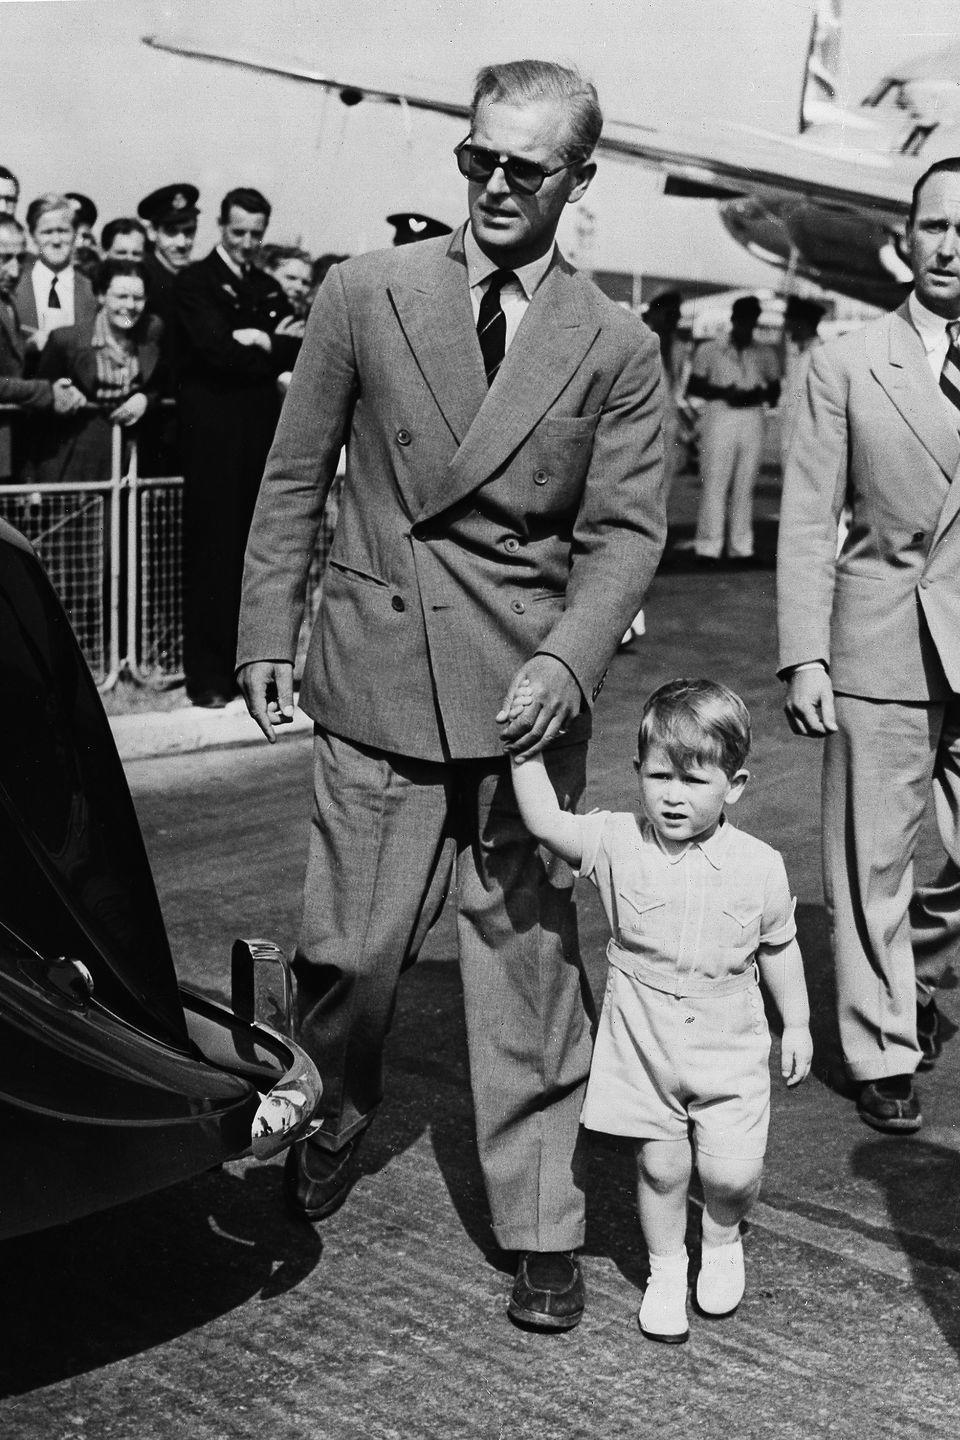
pixel 685 923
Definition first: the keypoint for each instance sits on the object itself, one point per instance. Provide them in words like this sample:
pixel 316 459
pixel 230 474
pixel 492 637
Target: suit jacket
pixel 476 527
pixel 874 433
pixel 14 389
pixel 84 305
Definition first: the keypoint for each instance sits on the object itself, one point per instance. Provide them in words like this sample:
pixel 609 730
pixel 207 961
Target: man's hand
pixel 251 336
pixel 809 705
pixel 293 326
pixel 66 397
pixel 554 700
pixel 267 687
pixel 132 410
pixel 796 1053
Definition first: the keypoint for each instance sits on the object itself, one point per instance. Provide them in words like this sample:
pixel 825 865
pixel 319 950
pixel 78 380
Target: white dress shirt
pixel 514 298
pixel 41 276
pixel 932 330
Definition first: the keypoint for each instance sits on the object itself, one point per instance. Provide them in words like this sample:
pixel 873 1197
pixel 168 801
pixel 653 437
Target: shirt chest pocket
pixel 740 925
pixel 641 916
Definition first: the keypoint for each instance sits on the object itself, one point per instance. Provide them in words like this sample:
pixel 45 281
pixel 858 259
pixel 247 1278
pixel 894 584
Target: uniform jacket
pixel 211 302
pixel 14 390
pixel 874 433
pixel 476 527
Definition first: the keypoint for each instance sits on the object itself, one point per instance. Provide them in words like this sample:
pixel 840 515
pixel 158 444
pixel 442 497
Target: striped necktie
pixel 492 324
pixel 950 374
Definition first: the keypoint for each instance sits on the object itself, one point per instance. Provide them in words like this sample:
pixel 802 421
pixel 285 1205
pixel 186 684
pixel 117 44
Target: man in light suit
pixel 495 516
pixel 870 645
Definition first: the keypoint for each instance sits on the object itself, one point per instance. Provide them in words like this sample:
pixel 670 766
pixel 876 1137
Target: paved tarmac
pixel 205 1313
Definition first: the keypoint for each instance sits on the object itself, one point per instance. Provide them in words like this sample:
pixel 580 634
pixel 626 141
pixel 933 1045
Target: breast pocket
pixel 740 925
pixel 641 917
pixel 560 450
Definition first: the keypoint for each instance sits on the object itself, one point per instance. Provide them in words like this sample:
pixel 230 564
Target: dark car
pixel 114 1079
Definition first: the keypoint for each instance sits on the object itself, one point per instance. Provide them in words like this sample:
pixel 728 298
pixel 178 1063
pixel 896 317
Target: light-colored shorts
pixel 663 1063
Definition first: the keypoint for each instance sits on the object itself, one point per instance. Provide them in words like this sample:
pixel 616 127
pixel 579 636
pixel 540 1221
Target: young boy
pixel 695 909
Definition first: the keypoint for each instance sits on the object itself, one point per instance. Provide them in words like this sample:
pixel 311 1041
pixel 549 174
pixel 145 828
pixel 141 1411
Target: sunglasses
pixel 523 176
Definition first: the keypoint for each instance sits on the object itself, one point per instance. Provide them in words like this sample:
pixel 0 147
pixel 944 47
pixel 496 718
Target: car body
pixel 114 1079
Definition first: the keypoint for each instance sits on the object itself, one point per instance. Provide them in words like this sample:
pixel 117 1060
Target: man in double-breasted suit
pixel 494 516
pixel 870 644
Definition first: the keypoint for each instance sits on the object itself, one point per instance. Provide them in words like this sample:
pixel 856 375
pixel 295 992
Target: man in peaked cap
pixel 409 226
pixel 170 215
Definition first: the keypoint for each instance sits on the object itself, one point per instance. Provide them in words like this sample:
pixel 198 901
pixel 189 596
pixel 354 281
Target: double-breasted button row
pixel 540 477
pixel 403 437
pixel 397 602
pixel 512 544
pixel 518 606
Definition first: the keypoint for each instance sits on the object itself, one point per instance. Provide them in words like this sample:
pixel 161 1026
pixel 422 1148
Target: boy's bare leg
pixel 663 1179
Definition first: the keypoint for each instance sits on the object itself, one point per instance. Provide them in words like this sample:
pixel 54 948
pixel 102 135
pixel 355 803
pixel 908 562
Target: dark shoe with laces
pixel 548 1291
pixel 929 1036
pixel 317 1181
pixel 890 1104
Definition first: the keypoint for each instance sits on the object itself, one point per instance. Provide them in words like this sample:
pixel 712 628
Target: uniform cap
pixel 169 205
pixel 84 210
pixel 409 226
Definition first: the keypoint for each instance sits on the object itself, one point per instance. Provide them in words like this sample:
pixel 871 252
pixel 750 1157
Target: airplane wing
pixel 709 160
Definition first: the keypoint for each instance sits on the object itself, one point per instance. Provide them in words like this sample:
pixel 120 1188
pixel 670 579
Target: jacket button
pixel 918 536
pixel 540 477
pixel 397 602
pixel 403 437
pixel 512 544
pixel 518 606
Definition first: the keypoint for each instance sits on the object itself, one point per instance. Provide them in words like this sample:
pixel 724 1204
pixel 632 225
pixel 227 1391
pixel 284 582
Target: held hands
pixel 251 336
pixel 796 1053
pixel 267 687
pixel 132 410
pixel 542 699
pixel 66 397
pixel 809 705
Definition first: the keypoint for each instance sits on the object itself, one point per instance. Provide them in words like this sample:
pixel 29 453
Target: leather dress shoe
pixel 548 1291
pixel 929 1037
pixel 890 1104
pixel 210 699
pixel 317 1181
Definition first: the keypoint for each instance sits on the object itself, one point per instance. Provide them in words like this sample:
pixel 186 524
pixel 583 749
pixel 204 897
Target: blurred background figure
pixel 737 379
pixel 51 294
pixel 86 252
pixel 114 361
pixel 320 267
pixel 123 239
pixel 170 215
pixel 9 191
pixel 292 269
pixel 408 226
pixel 33 395
pixel 801 319
pixel 663 317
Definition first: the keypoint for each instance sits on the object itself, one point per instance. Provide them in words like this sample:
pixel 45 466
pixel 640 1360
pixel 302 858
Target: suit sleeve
pixel 30 394
pixel 621 525
pixel 814 487
pixel 300 468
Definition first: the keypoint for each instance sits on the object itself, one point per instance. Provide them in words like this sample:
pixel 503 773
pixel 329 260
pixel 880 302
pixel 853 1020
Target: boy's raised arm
pixel 541 813
pixel 781 967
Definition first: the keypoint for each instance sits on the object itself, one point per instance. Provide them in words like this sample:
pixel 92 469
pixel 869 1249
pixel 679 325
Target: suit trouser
pixel 730 451
pixel 388 833
pixel 891 944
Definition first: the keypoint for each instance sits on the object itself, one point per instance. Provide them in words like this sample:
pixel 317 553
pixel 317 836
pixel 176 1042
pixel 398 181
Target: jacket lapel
pixel 554 336
pixel 902 369
pixel 434 311
pixel 11 328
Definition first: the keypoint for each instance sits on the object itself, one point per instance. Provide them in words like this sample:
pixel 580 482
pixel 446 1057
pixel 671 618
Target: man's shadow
pixel 921 1184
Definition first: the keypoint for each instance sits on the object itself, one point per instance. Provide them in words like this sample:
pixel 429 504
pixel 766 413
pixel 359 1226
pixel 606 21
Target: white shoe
pixel 721 1281
pixel 663 1313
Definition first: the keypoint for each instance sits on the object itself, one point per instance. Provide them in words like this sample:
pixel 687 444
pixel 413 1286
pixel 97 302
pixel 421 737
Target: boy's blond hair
pixel 699 721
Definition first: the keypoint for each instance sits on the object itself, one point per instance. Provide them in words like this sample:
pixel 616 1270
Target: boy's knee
pixel 664 1164
pixel 731 1180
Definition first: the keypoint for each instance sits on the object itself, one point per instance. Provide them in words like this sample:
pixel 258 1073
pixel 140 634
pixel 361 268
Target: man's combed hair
pixel 244 198
pixel 524 82
pixel 696 721
pixel 950 164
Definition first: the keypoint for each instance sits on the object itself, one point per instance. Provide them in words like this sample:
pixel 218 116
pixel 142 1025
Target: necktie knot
pixel 492 323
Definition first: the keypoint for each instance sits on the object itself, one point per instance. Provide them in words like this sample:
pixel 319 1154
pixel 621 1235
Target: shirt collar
pixel 43 272
pixel 930 327
pixel 230 264
pixel 480 267
pixel 713 848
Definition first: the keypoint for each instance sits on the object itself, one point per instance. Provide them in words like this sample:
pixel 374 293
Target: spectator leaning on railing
pixel 51 294
pixel 59 396
pixel 115 362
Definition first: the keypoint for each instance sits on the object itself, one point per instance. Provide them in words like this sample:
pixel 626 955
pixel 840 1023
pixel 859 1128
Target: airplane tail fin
pixel 819 100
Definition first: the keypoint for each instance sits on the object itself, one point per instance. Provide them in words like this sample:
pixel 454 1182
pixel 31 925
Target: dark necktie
pixel 492 323
pixel 53 303
pixel 950 374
